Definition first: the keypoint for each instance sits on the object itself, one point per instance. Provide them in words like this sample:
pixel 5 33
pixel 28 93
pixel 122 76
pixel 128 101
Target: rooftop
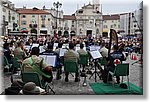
pixel 69 17
pixel 111 17
pixel 31 11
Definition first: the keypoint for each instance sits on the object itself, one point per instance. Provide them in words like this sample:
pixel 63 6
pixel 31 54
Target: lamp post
pixel 57 5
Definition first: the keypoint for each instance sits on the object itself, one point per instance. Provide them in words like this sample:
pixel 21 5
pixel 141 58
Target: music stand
pixel 95 55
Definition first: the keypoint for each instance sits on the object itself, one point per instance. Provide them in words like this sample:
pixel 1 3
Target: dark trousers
pixel 105 74
pixel 67 74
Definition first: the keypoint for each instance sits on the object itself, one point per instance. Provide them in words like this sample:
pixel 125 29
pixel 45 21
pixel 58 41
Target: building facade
pixel 10 18
pixel 110 22
pixel 89 20
pixel 34 21
pixel 69 25
pixel 132 23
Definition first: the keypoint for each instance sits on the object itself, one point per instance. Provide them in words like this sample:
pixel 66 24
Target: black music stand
pixel 95 55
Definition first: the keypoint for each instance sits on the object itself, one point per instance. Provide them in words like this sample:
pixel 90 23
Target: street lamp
pixel 57 5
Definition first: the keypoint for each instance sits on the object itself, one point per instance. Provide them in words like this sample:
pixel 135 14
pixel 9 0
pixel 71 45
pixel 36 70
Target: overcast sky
pixel 70 6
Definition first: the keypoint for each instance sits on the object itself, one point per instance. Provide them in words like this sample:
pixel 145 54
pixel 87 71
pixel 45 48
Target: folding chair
pixel 120 70
pixel 34 77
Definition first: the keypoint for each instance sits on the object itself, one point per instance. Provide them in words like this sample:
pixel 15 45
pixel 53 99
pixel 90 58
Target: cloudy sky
pixel 70 6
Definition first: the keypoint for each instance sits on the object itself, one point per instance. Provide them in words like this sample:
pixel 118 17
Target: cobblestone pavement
pixel 75 88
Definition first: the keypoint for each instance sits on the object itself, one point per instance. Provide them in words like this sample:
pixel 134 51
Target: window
pixel 72 22
pixel 23 22
pixel 105 26
pixel 80 11
pixel 111 26
pixel 114 25
pixel 33 16
pixel 43 26
pixel 72 25
pixel 23 16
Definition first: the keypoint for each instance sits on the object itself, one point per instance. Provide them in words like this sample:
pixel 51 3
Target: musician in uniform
pixel 71 55
pixel 27 67
pixel 116 54
pixel 49 51
pixel 82 51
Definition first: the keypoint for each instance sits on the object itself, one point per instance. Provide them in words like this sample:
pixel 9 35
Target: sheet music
pixel 27 47
pixel 62 51
pixel 41 49
pixel 95 54
pixel 51 60
pixel 35 45
pixel 43 56
pixel 54 46
pixel 78 48
pixel 93 48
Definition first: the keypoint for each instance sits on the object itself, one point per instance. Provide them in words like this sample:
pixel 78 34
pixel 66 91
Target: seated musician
pixel 116 54
pixel 27 67
pixel 104 50
pixel 82 51
pixel 49 51
pixel 71 55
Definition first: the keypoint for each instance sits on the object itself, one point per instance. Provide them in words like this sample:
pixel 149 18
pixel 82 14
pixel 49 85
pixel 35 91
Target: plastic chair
pixel 34 77
pixel 70 66
pixel 83 60
pixel 103 62
pixel 6 64
pixel 120 70
pixel 16 64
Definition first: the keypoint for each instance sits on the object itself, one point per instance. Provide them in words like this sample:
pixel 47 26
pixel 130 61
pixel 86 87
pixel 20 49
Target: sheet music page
pixel 55 45
pixel 43 56
pixel 97 48
pixel 35 45
pixel 62 51
pixel 51 60
pixel 92 48
pixel 77 48
pixel 27 47
pixel 41 49
pixel 95 54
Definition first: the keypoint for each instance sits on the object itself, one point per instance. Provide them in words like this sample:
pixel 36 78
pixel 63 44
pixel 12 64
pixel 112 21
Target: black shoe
pixel 118 82
pixel 77 79
pixel 83 75
pixel 89 72
pixel 58 78
pixel 66 80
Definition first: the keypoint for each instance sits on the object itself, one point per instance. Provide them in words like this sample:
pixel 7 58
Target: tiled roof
pixel 111 17
pixel 69 17
pixel 31 11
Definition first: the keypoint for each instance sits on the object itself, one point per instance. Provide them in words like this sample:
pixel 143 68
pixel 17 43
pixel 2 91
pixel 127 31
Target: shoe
pixel 77 79
pixel 83 75
pixel 66 80
pixel 58 78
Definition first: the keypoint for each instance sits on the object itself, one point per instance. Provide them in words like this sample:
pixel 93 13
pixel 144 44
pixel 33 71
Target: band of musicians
pixel 56 58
